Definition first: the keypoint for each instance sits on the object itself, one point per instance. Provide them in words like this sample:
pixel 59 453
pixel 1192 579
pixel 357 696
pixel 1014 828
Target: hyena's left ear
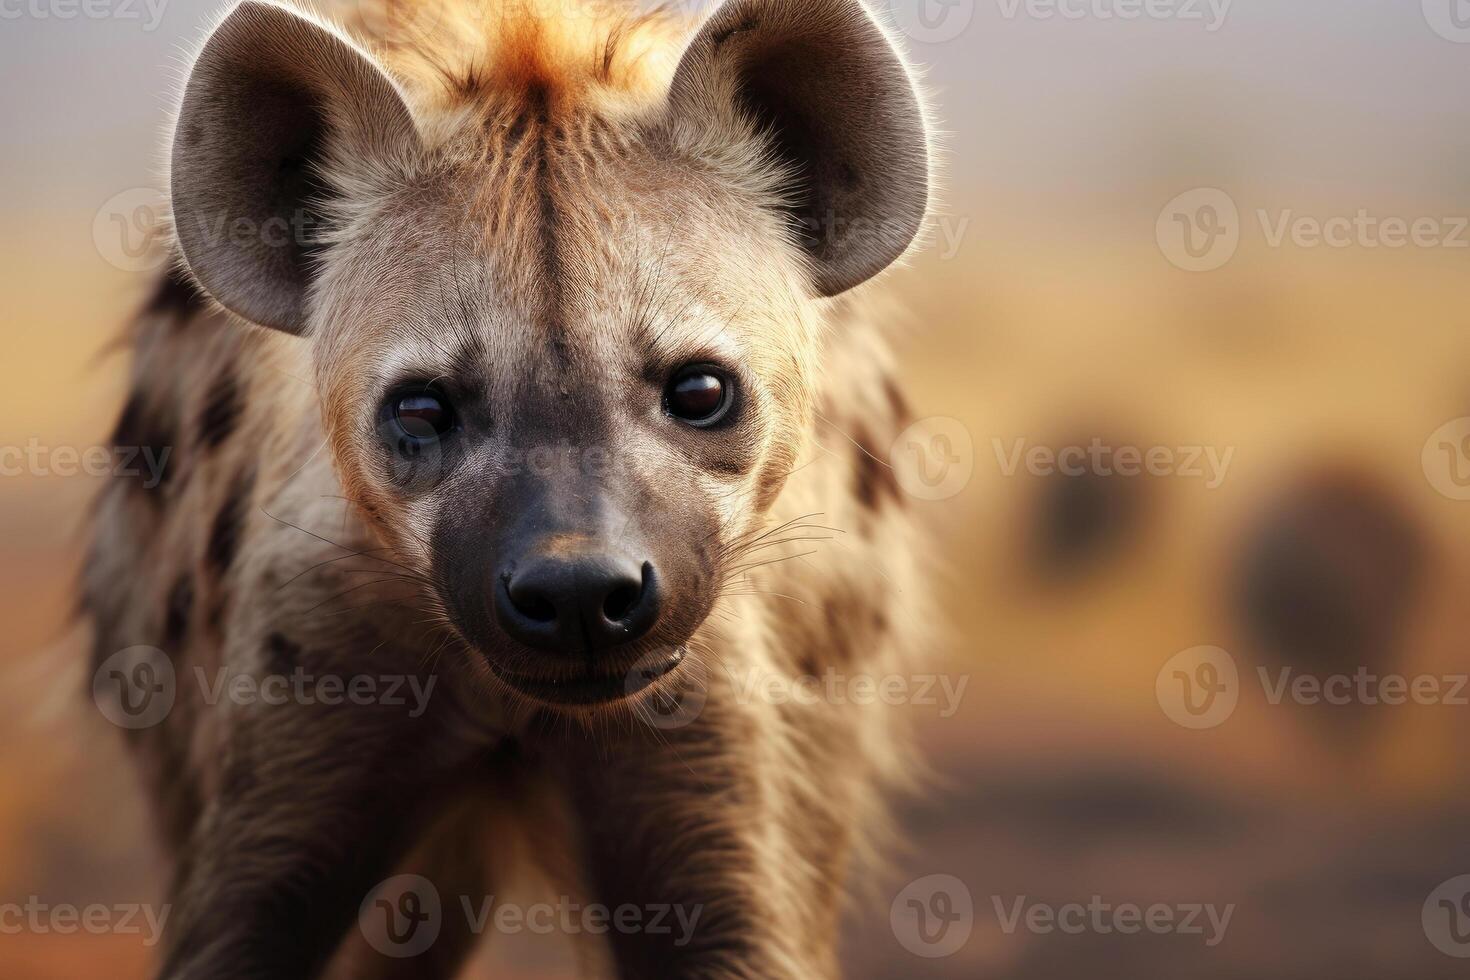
pixel 823 80
pixel 274 100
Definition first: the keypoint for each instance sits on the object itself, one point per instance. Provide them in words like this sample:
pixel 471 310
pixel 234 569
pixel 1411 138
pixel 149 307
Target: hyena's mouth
pixel 593 687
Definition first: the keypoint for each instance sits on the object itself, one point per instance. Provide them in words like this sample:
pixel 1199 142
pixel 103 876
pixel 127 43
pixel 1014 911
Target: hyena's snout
pixel 576 596
pixel 579 605
pixel 576 591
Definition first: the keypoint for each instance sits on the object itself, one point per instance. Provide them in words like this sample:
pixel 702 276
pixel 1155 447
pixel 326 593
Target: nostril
pixel 624 600
pixel 620 602
pixel 531 603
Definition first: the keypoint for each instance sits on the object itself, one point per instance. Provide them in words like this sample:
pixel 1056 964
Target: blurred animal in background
pixel 1084 519
pixel 1326 577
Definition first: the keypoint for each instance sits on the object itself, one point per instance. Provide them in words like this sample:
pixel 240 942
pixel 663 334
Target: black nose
pixel 577 603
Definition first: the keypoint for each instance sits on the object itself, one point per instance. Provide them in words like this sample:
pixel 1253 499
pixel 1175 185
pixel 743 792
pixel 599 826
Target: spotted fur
pixel 553 220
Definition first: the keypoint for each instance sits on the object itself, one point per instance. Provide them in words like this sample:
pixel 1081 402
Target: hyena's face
pixel 565 362
pixel 566 409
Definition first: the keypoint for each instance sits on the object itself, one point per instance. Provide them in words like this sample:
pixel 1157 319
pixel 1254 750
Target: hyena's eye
pixel 700 394
pixel 419 415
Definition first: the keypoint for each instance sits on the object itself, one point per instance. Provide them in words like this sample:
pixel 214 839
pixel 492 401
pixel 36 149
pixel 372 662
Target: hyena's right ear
pixel 273 101
pixel 840 113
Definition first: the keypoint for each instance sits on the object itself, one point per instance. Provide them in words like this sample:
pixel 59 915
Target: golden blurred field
pixel 1057 319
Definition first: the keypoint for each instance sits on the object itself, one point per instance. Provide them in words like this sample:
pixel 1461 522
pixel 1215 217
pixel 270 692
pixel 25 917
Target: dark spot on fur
pixel 224 535
pixel 730 465
pixel 880 623
pixel 898 403
pixel 221 411
pixel 176 296
pixel 516 131
pixel 807 665
pixel 178 612
pixel 144 443
pixel 283 655
pixel 873 478
pixel 838 617
pixel 847 175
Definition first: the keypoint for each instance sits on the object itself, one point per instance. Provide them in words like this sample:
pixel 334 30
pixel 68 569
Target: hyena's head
pixel 565 310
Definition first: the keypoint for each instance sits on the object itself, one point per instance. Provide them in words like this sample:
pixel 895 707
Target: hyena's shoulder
pixel 207 422
pixel 863 590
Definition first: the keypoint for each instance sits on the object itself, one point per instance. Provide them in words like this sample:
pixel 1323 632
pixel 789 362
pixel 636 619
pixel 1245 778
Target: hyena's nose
pixel 576 603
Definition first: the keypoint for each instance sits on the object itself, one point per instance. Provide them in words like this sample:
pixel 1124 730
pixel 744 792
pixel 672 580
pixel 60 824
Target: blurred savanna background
pixel 1212 256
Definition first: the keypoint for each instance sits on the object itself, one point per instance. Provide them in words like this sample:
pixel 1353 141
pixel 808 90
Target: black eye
pixel 422 415
pixel 700 395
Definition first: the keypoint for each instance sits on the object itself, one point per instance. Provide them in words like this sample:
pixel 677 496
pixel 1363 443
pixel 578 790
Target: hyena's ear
pixel 822 79
pixel 272 101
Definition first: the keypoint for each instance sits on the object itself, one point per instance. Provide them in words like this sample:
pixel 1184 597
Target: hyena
pixel 515 355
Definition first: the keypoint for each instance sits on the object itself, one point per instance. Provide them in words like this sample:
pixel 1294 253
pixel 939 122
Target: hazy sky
pixel 1360 96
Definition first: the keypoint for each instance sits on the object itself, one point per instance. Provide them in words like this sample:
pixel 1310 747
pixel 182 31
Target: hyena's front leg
pixel 691 850
pixel 313 806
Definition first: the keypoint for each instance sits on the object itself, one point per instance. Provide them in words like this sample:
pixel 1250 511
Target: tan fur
pixel 759 812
